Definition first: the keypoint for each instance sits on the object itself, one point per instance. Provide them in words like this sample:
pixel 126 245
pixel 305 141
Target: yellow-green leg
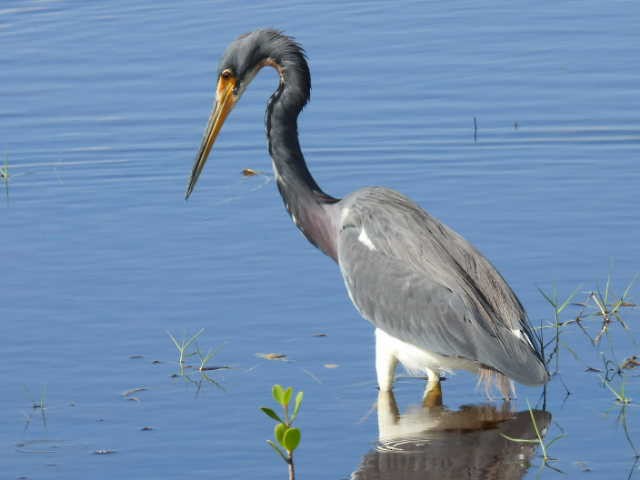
pixel 433 392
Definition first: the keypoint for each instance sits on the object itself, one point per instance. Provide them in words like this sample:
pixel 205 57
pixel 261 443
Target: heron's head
pixel 240 63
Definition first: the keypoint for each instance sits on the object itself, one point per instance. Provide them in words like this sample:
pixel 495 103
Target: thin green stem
pixel 538 435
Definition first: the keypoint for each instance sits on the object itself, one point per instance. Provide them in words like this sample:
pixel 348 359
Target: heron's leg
pixel 386 362
pixel 388 414
pixel 433 392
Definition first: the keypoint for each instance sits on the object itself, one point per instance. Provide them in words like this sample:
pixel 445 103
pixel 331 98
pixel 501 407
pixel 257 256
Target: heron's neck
pixel 307 204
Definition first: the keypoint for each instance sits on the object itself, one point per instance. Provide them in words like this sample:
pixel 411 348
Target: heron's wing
pixel 403 302
pixel 419 281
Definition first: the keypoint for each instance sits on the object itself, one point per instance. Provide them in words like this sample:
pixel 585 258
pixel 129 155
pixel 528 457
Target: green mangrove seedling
pixel 4 175
pixel 287 437
pixel 539 440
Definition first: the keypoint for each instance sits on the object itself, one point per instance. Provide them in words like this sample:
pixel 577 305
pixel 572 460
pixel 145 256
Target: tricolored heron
pixel 436 302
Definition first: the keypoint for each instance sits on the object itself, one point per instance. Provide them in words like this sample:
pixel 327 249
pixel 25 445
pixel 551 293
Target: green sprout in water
pixel 204 359
pixel 539 440
pixel 558 307
pixel 188 347
pixel 4 176
pixel 619 394
pixel 183 345
pixel 609 307
pixel 286 435
pixel 39 405
pixel 625 402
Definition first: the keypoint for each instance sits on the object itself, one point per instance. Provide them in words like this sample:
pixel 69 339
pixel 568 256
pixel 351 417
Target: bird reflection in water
pixel 434 442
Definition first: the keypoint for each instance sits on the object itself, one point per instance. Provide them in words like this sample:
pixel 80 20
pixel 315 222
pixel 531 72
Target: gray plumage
pixel 412 277
pixel 426 285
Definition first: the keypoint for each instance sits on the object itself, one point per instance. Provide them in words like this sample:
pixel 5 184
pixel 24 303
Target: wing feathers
pixel 419 281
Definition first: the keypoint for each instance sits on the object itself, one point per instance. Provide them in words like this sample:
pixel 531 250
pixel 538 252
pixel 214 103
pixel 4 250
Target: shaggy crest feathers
pixel 251 51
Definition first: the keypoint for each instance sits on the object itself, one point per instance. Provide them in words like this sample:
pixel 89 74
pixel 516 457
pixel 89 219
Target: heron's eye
pixel 226 74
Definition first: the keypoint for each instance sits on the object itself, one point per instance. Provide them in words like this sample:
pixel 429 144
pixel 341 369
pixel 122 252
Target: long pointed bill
pixel 225 101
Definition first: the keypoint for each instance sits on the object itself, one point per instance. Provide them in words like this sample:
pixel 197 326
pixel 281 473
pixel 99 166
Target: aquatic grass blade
pixel 193 339
pixel 552 302
pixel 631 283
pixel 571 296
pixel 519 440
pixel 174 340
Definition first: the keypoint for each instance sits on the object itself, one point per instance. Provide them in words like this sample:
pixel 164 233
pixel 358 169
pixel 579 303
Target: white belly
pixel 416 360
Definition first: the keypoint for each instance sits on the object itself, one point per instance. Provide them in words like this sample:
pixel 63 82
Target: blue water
pixel 101 110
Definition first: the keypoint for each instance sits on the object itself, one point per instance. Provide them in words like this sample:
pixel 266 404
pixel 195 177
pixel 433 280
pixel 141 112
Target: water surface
pixel 101 110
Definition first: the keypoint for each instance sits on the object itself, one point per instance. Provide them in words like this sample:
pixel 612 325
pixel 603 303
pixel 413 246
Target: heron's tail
pixel 493 381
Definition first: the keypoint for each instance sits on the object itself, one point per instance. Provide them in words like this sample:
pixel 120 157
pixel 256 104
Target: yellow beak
pixel 225 101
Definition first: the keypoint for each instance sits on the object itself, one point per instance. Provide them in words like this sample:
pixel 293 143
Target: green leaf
pixel 297 404
pixel 270 413
pixel 286 396
pixel 278 451
pixel 291 439
pixel 279 432
pixel 278 393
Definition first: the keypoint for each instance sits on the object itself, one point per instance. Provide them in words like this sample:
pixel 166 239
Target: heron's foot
pixel 433 395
